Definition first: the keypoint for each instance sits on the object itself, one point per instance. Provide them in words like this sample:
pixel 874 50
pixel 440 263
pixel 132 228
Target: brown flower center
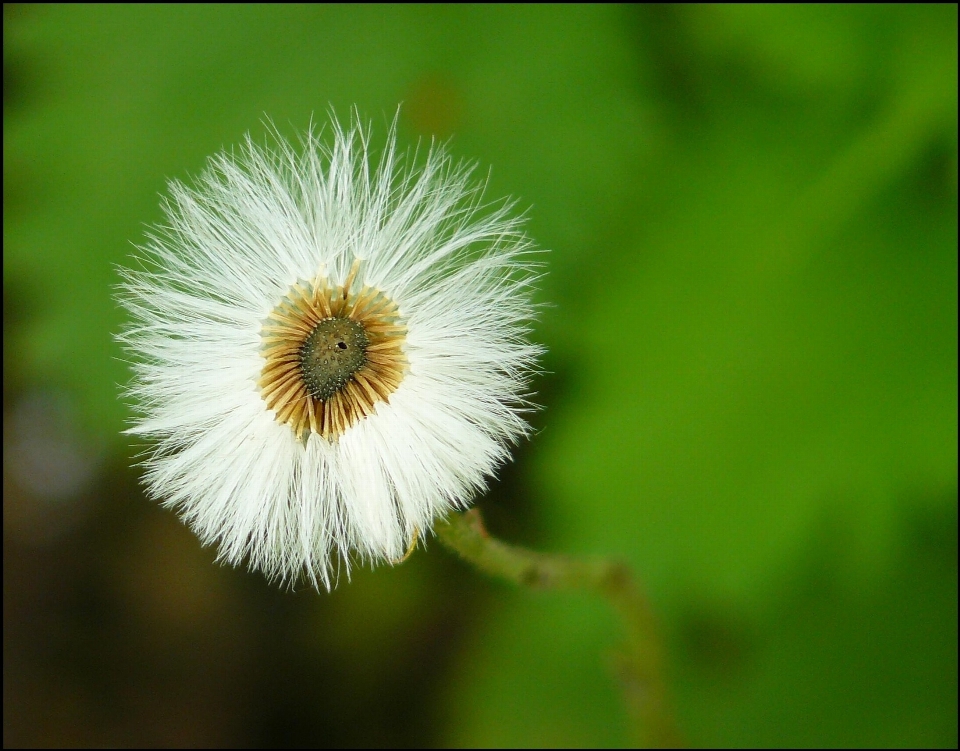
pixel 330 355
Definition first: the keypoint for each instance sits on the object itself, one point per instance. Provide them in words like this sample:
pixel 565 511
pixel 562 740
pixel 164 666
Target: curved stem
pixel 639 666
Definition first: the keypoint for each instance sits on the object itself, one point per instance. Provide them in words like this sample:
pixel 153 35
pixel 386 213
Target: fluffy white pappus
pixel 258 222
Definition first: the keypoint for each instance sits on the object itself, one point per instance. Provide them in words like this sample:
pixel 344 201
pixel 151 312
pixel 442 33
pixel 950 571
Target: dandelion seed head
pixel 330 350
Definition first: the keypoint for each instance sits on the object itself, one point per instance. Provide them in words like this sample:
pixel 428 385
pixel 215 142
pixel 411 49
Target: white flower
pixel 329 353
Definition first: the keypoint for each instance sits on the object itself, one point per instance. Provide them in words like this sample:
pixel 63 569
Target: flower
pixel 330 351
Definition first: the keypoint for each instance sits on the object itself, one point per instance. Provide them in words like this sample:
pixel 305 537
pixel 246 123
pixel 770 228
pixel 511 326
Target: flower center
pixel 335 350
pixel 330 355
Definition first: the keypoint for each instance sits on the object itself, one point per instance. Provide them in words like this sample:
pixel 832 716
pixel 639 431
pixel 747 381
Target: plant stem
pixel 639 666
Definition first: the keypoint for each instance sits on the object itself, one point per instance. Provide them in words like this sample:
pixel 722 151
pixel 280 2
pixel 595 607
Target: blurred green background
pixel 751 392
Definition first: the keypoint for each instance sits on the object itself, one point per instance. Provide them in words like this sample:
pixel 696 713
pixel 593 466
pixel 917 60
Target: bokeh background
pixel 751 386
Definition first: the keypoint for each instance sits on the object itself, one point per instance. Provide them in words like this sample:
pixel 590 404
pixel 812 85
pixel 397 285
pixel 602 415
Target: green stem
pixel 639 666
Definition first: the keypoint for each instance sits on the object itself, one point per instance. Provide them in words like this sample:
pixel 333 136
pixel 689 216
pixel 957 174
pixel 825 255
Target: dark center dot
pixel 334 351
